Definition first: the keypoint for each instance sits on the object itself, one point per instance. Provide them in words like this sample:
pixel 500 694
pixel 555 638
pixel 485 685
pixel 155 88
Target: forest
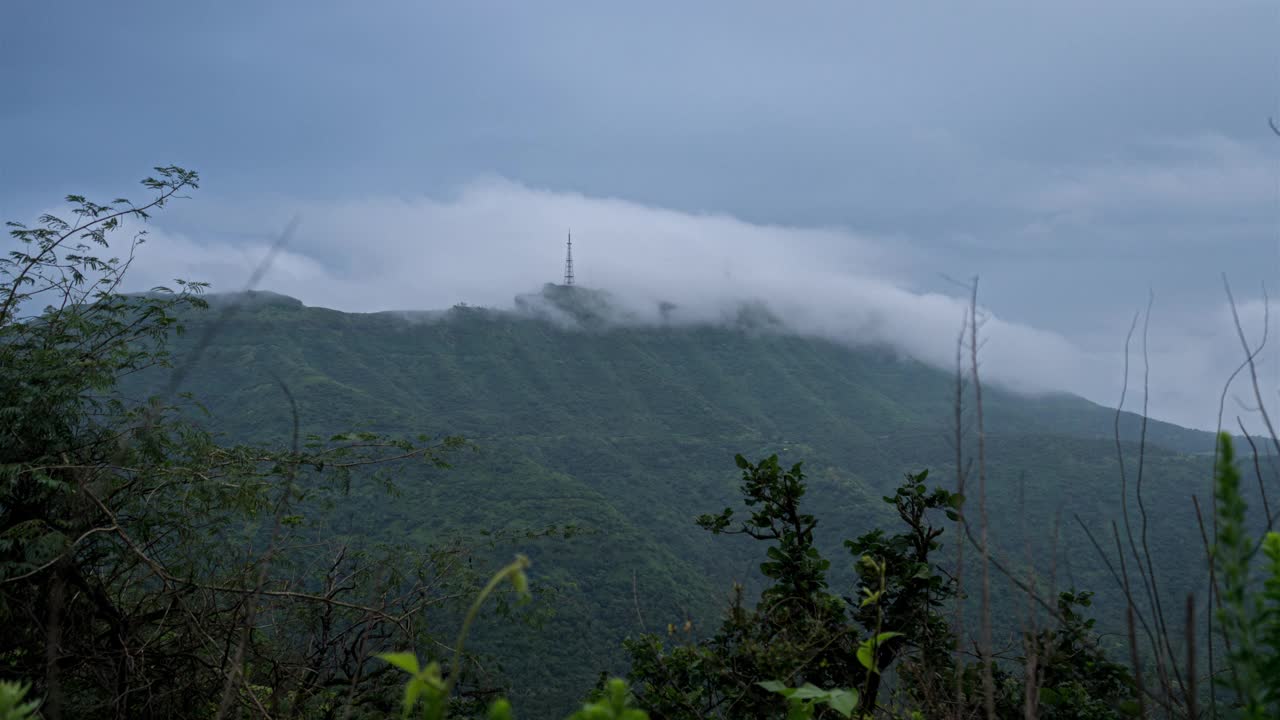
pixel 237 505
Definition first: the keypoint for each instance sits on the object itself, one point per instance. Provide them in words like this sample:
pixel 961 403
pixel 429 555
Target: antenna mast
pixel 568 261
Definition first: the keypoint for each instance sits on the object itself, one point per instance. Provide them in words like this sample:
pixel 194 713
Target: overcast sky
pixel 839 159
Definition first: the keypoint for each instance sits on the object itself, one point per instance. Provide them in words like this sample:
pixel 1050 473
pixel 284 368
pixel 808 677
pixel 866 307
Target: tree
pixel 909 590
pixel 146 568
pixel 801 634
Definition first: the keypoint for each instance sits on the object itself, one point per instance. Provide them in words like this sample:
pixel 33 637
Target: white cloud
pixel 497 239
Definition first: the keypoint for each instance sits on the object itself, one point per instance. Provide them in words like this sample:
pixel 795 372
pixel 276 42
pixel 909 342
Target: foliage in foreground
pixel 148 569
pixel 14 704
pixel 1249 617
pixel 827 655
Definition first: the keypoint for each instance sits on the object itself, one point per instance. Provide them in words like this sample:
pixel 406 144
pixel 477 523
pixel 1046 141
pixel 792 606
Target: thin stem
pixel 988 679
pixel 515 569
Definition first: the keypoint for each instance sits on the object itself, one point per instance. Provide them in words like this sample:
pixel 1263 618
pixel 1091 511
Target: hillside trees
pixel 148 569
pixel 806 642
pixel 800 632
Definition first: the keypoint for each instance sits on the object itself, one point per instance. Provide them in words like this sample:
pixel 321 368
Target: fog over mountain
pixel 498 239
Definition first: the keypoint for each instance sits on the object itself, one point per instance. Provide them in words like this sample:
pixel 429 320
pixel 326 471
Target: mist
pixel 496 239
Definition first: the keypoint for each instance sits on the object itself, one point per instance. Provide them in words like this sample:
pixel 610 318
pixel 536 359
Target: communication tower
pixel 568 261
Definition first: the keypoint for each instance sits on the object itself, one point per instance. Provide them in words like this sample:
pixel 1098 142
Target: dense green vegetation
pixel 238 518
pixel 627 432
pixel 148 569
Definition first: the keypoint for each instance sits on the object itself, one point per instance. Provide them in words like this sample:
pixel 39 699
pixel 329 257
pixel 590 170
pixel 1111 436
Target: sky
pixel 845 162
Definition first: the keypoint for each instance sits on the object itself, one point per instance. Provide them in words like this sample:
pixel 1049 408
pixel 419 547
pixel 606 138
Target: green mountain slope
pixel 629 431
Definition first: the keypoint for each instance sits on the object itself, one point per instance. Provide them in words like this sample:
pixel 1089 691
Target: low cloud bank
pixel 496 240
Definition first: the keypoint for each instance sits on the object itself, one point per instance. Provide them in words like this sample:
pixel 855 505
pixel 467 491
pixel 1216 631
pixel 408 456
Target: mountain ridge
pixel 629 432
pixel 588 310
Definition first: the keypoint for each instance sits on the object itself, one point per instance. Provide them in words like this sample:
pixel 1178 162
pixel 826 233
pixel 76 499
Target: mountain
pixel 584 417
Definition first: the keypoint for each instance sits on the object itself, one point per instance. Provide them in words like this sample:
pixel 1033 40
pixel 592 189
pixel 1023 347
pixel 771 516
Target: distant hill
pixel 584 418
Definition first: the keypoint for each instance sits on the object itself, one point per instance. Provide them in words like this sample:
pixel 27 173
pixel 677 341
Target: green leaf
pixel 12 706
pixel 843 701
pixel 866 649
pixel 865 659
pixel 500 710
pixel 808 691
pixel 406 661
pixel 800 711
pixel 412 691
pixel 773 686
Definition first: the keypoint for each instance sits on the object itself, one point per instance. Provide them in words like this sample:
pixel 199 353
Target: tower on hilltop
pixel 568 261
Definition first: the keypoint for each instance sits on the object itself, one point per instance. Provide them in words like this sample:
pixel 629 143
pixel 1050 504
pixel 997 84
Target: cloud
pixel 1204 174
pixel 496 239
